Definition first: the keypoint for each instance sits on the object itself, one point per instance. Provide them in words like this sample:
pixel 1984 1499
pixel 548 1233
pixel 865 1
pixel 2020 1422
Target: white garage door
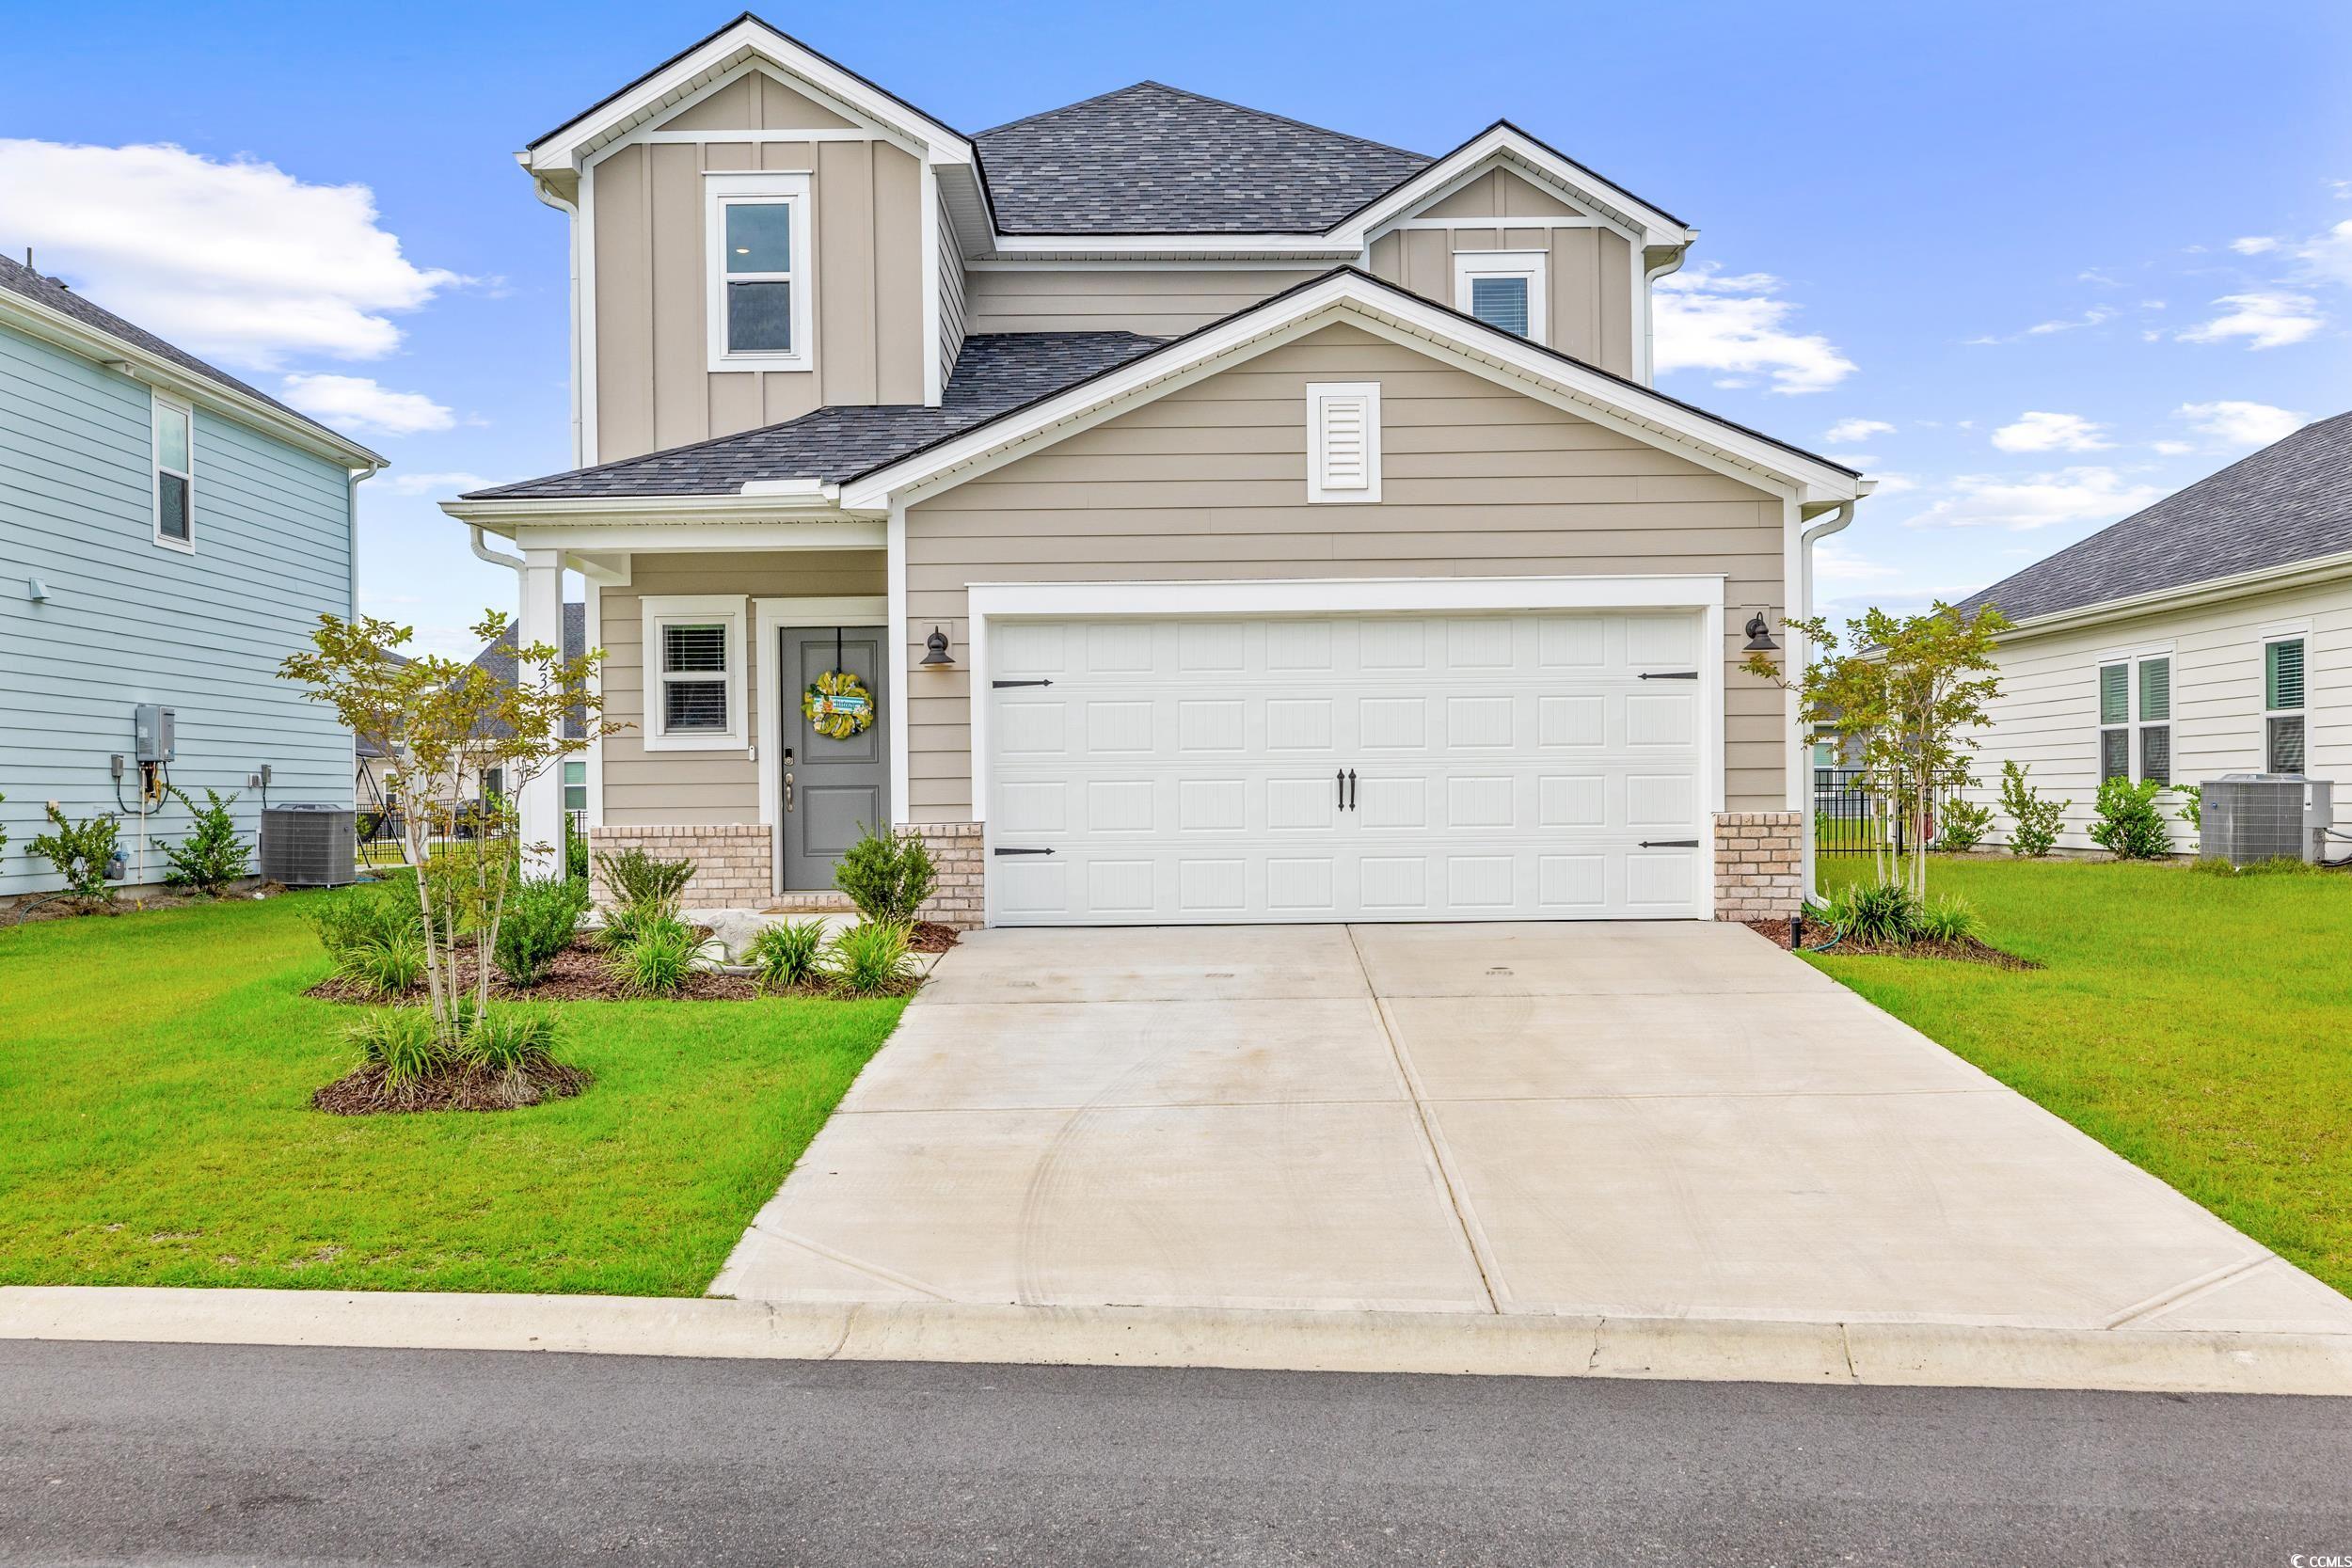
pixel 1502 766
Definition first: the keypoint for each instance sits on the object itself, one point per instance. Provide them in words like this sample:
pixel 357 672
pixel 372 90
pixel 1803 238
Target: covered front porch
pixel 714 631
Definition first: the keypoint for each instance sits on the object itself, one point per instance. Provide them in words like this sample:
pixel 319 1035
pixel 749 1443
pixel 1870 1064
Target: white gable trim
pixel 1404 318
pixel 653 130
pixel 747 41
pixel 1508 146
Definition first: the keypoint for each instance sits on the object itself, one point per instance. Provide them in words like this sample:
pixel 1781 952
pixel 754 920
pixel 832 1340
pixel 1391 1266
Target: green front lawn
pixel 156 1129
pixel 2200 1026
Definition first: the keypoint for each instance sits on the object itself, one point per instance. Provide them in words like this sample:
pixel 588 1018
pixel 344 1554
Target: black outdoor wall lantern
pixel 935 649
pixel 1760 635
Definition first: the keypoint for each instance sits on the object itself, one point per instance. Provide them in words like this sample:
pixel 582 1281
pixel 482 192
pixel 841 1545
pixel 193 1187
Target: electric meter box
pixel 155 732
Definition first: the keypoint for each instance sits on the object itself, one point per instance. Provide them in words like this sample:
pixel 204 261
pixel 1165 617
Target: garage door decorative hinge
pixel 1647 844
pixel 1001 685
pixel 1668 675
pixel 1001 849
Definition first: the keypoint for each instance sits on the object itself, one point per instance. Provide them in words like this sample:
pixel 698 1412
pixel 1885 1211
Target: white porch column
pixel 540 802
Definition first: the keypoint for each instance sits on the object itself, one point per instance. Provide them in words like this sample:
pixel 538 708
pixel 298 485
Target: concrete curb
pixel 1712 1349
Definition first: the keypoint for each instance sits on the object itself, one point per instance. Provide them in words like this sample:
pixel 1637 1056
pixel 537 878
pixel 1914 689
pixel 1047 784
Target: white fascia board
pixel 1654 226
pixel 1346 595
pixel 858 533
pixel 176 380
pixel 566 146
pixel 1228 248
pixel 1592 392
pixel 2313 572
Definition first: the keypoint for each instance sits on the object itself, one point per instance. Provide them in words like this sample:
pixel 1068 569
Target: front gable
pixel 759 97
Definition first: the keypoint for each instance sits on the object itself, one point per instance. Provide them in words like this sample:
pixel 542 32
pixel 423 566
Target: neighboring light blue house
pixel 167 535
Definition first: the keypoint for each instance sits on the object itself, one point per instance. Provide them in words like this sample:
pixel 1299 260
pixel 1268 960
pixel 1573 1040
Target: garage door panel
pixel 1503 767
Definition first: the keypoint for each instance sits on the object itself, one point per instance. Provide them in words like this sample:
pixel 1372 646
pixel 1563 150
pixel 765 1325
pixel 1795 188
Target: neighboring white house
pixel 2210 634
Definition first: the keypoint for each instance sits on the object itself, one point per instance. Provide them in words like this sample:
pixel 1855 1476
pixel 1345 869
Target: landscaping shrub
pixel 212 856
pixel 2034 820
pixel 382 966
pixel 1948 920
pixel 656 960
pixel 637 880
pixel 82 852
pixel 786 955
pixel 575 850
pixel 2193 806
pixel 1874 915
pixel 887 877
pixel 872 959
pixel 1963 825
pixel 370 913
pixel 400 1044
pixel 2129 826
pixel 503 1058
pixel 542 917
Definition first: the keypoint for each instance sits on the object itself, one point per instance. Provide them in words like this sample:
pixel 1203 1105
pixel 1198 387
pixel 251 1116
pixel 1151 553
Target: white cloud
pixel 356 403
pixel 2092 317
pixel 2070 495
pixel 1856 430
pixel 1738 324
pixel 2096 275
pixel 2254 244
pixel 2171 449
pixel 435 484
pixel 2264 320
pixel 2327 255
pixel 1894 484
pixel 239 261
pixel 2045 432
pixel 1836 564
pixel 2241 424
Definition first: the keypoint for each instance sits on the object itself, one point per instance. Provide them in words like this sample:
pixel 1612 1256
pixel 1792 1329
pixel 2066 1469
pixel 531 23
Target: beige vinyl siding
pixel 1159 302
pixel 2046 718
pixel 654 384
pixel 1209 482
pixel 951 289
pixel 691 788
pixel 1589 271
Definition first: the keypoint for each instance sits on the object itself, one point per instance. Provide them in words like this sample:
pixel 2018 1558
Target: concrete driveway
pixel 1638 1120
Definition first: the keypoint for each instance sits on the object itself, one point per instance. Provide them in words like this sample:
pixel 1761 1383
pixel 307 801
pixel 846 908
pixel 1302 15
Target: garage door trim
pixel 994 602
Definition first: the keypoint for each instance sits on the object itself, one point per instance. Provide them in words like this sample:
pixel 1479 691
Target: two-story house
pixel 1173 510
pixel 167 535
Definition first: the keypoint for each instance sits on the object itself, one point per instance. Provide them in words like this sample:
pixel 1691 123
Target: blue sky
pixel 2037 264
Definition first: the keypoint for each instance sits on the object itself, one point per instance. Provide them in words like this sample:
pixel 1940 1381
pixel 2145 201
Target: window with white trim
pixel 1502 287
pixel 2136 719
pixel 693 649
pixel 174 452
pixel 1344 441
pixel 2283 704
pixel 757 241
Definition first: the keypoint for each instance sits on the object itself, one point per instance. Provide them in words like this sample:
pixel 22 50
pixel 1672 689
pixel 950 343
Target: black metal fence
pixel 1847 819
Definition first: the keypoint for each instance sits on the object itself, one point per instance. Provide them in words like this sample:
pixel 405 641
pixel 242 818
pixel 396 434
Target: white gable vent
pixel 1344 441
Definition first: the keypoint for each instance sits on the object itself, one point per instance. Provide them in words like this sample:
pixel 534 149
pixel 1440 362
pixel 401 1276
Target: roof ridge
pixel 1221 102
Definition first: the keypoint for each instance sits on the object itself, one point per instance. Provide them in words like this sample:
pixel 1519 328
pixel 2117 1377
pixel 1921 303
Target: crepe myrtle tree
pixel 1903 692
pixel 453 721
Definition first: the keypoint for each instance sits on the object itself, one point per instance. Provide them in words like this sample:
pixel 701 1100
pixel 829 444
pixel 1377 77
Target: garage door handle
pixel 1648 844
pixel 1668 675
pixel 1339 782
pixel 1001 685
pixel 1000 849
pixel 1351 790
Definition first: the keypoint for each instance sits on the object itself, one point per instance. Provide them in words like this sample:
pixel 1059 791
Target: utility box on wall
pixel 155 733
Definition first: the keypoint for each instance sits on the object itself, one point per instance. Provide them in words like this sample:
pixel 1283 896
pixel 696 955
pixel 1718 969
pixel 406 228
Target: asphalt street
pixel 165 1453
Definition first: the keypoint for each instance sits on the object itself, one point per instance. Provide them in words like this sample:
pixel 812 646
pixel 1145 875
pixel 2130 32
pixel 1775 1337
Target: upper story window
pixel 694 651
pixel 1502 287
pixel 759 282
pixel 174 451
pixel 2282 699
pixel 2136 719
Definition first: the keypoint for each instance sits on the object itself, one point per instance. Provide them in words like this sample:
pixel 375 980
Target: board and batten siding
pixel 952 324
pixel 1157 302
pixel 655 387
pixel 129 621
pixel 1209 482
pixel 2046 716
pixel 646 788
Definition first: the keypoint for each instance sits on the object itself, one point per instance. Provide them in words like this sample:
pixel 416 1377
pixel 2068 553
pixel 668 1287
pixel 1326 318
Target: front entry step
pixel 828 902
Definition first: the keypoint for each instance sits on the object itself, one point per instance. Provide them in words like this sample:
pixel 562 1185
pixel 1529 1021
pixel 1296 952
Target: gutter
pixel 1835 522
pixel 496 558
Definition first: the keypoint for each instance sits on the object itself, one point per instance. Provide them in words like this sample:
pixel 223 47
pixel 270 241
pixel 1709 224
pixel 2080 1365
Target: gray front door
pixel 834 790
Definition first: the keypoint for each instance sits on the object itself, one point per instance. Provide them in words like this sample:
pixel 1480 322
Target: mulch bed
pixel 363 1094
pixel 1968 951
pixel 932 937
pixel 577 974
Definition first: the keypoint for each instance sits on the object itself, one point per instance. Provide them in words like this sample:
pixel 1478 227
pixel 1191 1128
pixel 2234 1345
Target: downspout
pixel 1822 530
pixel 496 558
pixel 1649 314
pixel 571 211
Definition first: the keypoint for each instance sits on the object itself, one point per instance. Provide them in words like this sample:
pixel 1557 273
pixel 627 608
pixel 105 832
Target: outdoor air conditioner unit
pixel 308 844
pixel 2248 817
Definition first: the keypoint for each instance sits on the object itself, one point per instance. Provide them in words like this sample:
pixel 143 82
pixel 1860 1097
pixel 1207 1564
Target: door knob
pixel 788 792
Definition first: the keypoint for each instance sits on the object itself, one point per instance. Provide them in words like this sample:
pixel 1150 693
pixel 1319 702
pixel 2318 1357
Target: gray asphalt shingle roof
pixel 2290 501
pixel 21 280
pixel 497 657
pixel 1156 159
pixel 995 373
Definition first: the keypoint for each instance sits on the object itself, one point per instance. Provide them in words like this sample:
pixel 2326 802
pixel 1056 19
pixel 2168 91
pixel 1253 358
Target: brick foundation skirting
pixel 733 868
pixel 957 856
pixel 1759 865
